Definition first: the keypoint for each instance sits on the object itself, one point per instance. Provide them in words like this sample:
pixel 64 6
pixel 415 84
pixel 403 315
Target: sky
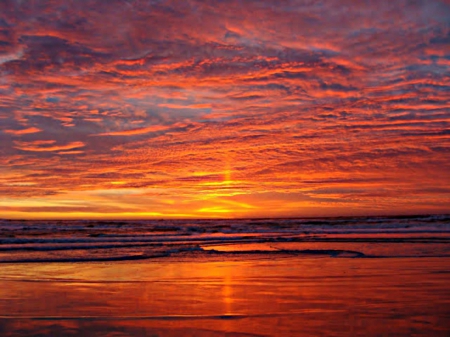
pixel 224 108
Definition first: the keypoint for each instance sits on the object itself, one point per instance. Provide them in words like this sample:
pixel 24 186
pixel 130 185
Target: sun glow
pixel 214 209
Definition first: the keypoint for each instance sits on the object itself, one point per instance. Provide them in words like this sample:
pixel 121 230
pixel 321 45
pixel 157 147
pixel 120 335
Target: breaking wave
pixel 344 237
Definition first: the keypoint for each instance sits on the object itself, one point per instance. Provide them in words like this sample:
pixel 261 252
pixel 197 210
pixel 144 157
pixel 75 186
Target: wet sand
pixel 244 296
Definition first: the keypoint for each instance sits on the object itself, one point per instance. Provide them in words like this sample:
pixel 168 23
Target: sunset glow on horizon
pixel 130 109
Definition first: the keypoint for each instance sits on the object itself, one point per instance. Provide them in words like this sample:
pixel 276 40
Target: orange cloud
pixel 132 132
pixel 224 109
pixel 36 146
pixel 23 131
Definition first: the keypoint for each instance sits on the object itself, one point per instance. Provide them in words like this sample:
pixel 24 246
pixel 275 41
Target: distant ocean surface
pixel 347 237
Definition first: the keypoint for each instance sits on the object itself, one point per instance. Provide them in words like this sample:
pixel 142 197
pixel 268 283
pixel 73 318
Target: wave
pixel 201 253
pixel 349 237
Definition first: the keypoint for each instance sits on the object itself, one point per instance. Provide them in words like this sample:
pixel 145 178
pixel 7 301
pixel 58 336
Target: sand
pixel 254 295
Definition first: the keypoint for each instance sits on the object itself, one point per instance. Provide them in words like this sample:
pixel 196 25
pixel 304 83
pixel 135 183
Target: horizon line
pixel 412 215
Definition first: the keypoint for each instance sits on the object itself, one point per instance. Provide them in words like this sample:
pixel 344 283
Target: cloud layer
pixel 224 108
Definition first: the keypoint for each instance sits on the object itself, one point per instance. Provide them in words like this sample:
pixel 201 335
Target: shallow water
pixel 285 296
pixel 336 277
pixel 74 241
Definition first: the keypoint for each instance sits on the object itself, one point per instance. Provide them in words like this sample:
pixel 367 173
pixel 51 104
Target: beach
pixel 224 168
pixel 285 296
pixel 335 277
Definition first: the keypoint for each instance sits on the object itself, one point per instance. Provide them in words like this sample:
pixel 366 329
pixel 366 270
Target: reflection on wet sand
pixel 286 296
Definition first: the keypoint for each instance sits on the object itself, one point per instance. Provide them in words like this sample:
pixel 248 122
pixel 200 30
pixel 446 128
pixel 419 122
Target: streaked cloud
pixel 224 108
pixel 46 146
pixel 23 131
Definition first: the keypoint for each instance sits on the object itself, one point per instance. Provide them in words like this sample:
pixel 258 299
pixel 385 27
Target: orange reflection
pixel 286 296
